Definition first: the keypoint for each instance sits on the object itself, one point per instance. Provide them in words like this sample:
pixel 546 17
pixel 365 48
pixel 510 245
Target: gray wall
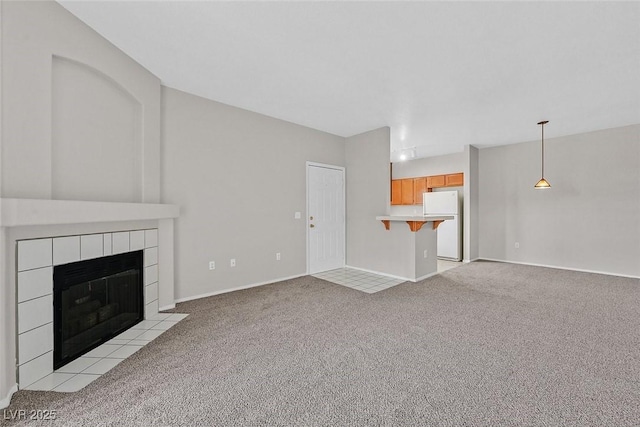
pixel 72 104
pixel 368 193
pixel 396 252
pixel 588 220
pixel 238 177
pixel 437 165
pixel 471 217
pixel 7 298
pixel 63 99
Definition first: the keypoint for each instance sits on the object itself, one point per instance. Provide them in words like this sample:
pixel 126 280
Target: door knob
pixel 311 225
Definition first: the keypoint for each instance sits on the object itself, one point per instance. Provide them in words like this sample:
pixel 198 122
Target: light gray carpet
pixel 485 344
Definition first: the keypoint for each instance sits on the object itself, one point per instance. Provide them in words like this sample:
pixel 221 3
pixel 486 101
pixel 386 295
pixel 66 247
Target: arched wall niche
pixel 96 136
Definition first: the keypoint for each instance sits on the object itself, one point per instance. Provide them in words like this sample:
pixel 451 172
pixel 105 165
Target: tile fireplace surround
pixel 36 259
pixel 38 234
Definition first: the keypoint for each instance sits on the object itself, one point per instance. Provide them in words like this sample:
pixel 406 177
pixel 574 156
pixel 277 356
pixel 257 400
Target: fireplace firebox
pixel 93 301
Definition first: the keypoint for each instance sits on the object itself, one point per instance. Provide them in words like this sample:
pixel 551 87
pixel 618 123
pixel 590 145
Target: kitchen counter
pixel 415 217
pixel 415 222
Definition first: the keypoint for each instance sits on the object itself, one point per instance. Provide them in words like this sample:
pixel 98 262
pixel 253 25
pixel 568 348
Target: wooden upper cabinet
pixel 454 180
pixel 407 191
pixel 435 181
pixel 419 187
pixel 396 192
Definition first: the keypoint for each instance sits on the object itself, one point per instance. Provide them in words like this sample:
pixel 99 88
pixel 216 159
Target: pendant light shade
pixel 543 183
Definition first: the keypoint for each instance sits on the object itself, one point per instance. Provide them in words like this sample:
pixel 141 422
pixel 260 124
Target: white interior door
pixel 325 217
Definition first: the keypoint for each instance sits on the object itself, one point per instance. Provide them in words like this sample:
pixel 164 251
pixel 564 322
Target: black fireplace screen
pixel 94 301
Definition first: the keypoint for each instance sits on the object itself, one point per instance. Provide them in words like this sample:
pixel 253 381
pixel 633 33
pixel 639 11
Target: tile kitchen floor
pixel 358 279
pixel 86 369
pixel 370 282
pixel 444 265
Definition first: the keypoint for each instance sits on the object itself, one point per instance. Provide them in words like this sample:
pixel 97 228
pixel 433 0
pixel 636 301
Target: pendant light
pixel 543 182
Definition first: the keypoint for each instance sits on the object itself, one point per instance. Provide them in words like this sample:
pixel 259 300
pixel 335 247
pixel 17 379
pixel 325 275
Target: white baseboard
pixel 426 276
pixel 466 261
pixel 7 399
pixel 167 307
pixel 608 273
pixel 380 273
pixel 239 288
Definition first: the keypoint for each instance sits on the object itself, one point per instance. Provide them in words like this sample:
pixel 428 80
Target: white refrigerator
pixel 449 232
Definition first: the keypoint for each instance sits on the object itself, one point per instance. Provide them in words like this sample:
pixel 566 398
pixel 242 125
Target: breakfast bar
pixel 415 222
pixel 412 244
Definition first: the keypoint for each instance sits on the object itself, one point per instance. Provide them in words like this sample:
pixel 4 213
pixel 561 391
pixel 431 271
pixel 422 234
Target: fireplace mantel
pixel 29 212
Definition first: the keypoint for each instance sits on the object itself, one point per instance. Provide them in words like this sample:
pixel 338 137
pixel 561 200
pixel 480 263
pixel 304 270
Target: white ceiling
pixel 440 74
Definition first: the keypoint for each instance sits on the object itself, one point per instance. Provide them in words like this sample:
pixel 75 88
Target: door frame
pixel 344 206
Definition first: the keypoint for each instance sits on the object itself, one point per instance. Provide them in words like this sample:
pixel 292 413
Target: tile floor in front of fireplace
pixel 87 368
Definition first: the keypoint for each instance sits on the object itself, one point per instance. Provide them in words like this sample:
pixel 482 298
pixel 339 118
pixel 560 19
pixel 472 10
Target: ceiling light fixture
pixel 406 153
pixel 542 184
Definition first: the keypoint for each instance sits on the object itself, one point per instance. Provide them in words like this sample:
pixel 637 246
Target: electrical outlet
pixel 517 245
pixel 233 262
pixel 212 265
pixel 426 253
pixel 277 256
pixel 297 215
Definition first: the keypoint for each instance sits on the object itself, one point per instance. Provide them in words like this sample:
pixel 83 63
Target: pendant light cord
pixel 543 182
pixel 543 150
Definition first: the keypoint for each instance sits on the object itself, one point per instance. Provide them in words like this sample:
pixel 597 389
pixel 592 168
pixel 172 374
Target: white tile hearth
pixel 164 325
pixel 103 351
pixel 52 381
pixel 130 334
pixel 102 366
pixel 78 365
pixel 118 341
pixel 124 351
pixel 139 342
pixel 145 324
pixel 149 335
pixel 77 382
pixel 86 369
pixel 160 316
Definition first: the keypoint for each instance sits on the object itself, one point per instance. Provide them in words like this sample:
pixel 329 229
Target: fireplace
pixel 95 300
